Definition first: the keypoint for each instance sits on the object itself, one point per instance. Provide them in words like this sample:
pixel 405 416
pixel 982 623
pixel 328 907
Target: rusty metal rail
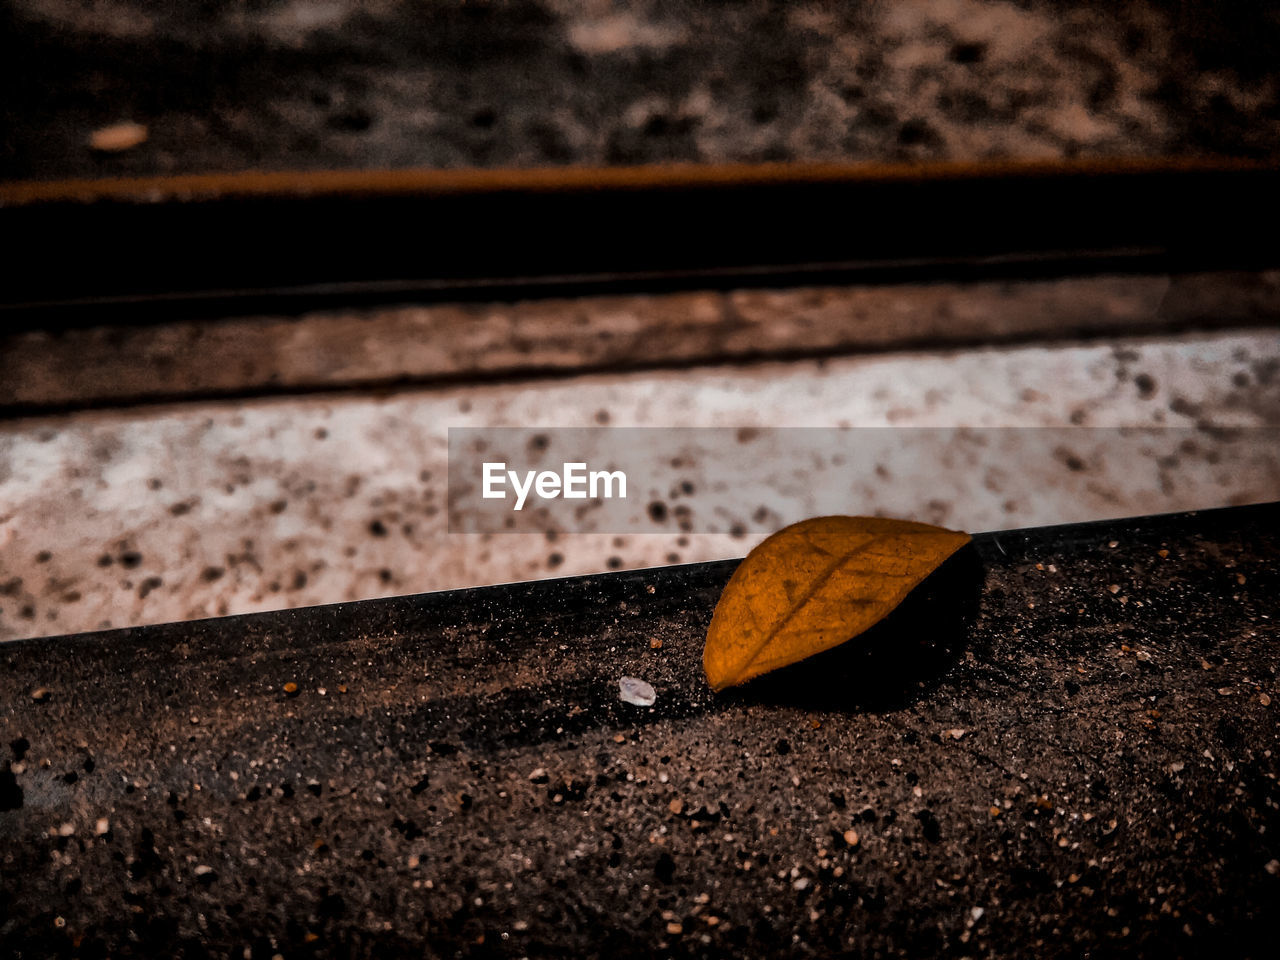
pixel 125 250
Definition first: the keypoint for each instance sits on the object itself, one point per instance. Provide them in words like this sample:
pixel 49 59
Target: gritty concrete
pixel 116 518
pixel 1064 744
pixel 490 83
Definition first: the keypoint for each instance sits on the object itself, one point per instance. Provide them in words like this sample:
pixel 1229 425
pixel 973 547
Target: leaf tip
pixel 717 676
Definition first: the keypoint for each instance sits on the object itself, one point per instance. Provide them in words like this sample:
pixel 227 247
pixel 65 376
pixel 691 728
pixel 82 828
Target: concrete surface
pixel 459 342
pixel 1064 745
pixel 394 83
pixel 122 517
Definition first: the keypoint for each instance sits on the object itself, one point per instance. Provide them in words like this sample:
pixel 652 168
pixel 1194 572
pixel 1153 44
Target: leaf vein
pixel 808 595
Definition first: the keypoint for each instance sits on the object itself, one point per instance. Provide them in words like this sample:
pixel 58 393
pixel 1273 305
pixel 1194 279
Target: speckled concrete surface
pixel 167 513
pixel 288 83
pixel 1066 748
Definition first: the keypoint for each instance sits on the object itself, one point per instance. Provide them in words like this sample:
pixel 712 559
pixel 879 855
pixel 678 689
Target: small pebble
pixel 539 775
pixel 41 694
pixel 636 692
pixel 675 929
pixel 118 137
pixel 1264 699
pixel 102 826
pixel 851 837
pixel 67 829
pixel 291 689
pixel 655 644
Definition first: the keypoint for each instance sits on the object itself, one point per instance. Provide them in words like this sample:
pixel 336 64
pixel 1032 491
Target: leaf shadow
pixel 892 664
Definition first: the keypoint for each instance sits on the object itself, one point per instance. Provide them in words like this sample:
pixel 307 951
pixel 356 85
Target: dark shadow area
pixel 897 661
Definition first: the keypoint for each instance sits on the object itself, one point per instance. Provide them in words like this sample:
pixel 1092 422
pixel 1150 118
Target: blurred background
pixel 197 463
pixel 304 84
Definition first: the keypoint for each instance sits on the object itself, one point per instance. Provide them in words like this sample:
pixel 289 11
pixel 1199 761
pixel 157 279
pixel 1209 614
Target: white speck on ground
pixel 636 692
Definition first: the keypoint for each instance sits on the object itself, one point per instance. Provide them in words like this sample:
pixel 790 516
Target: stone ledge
pixel 1063 743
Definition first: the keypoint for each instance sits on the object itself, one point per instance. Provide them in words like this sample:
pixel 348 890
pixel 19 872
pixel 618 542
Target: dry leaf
pixel 812 586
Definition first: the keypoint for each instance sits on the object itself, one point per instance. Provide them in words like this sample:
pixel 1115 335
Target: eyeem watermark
pixel 677 481
pixel 573 482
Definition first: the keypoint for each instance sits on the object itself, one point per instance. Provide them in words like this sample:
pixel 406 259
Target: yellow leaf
pixel 812 586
